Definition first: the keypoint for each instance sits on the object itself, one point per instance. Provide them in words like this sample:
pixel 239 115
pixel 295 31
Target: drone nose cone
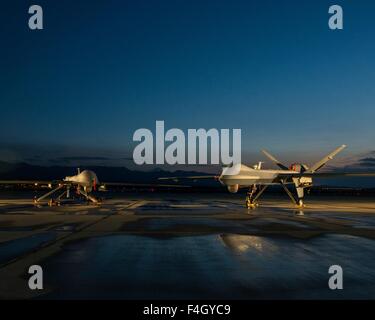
pixel 89 177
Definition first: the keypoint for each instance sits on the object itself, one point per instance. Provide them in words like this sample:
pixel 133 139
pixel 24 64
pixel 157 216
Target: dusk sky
pixel 102 69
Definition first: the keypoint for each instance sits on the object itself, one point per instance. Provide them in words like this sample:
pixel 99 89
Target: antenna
pixel 258 166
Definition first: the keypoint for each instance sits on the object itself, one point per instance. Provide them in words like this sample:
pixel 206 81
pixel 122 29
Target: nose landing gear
pixel 250 203
pixel 252 195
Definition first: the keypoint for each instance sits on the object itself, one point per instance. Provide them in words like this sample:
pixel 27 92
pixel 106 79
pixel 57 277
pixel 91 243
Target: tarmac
pixel 187 246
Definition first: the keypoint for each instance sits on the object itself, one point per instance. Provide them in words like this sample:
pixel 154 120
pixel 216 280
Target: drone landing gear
pixel 88 197
pixel 300 193
pixel 51 201
pixel 66 193
pixel 252 195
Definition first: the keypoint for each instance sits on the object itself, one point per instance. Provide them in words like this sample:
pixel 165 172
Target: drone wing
pixel 338 174
pixel 30 182
pixel 326 175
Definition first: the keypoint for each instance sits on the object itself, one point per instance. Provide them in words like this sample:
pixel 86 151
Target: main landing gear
pixel 255 192
pixel 298 201
pixel 56 201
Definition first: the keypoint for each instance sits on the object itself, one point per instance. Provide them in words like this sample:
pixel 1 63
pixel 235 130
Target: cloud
pixel 360 162
pixel 366 162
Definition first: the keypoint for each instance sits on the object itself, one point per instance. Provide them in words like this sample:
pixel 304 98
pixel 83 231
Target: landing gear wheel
pixel 251 205
pixel 300 204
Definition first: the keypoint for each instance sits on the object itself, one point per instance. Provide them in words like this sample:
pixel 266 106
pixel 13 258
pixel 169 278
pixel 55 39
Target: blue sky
pixel 102 69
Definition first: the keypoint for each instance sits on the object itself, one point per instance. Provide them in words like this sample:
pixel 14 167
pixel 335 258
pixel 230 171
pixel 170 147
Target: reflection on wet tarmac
pixel 214 266
pixel 139 247
pixel 242 243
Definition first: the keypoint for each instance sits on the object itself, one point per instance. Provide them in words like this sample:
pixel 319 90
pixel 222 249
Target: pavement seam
pixel 55 241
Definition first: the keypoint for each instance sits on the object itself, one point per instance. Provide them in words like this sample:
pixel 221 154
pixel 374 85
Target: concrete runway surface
pixel 187 246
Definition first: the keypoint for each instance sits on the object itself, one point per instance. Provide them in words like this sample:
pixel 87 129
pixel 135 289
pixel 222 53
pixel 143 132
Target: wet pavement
pixel 173 246
pixel 212 267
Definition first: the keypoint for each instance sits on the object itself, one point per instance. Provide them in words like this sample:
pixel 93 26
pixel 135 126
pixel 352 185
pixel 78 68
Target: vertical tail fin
pixel 273 159
pixel 323 161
